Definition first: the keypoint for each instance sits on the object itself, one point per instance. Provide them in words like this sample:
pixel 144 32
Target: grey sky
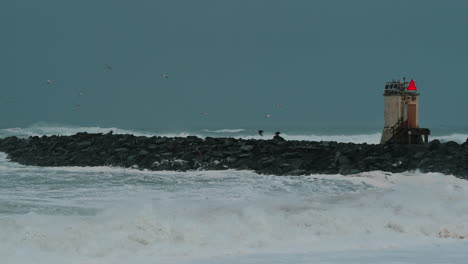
pixel 326 61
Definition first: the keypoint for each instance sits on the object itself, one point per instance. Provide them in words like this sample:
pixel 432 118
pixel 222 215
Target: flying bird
pixel 108 67
pixel 164 76
pixel 267 116
pixel 260 132
pixel 49 82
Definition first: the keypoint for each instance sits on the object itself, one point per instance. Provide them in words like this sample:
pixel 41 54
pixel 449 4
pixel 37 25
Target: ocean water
pixel 115 215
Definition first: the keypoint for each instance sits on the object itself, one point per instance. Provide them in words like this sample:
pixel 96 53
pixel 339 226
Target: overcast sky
pixel 326 61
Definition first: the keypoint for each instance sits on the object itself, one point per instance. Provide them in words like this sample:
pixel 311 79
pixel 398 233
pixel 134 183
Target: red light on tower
pixel 412 86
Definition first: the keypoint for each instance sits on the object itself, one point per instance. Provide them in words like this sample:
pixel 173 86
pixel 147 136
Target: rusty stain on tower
pixel 402 114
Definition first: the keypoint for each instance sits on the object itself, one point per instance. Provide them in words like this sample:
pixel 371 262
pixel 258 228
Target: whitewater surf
pixel 115 215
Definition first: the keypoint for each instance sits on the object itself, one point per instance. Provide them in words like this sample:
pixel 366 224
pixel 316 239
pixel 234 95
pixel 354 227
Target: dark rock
pixel 290 155
pixel 179 164
pixel 166 154
pixel 418 155
pixel 120 150
pixel 247 147
pixel 343 161
pixel 297 172
pixel 143 152
pixel 278 138
pixel 85 143
pixel 278 156
pixel 435 144
pixel 267 161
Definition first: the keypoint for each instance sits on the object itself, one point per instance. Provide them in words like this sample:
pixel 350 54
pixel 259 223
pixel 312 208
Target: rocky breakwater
pixel 275 156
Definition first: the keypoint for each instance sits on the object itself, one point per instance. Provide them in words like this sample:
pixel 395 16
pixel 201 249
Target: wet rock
pixel 247 147
pixel 267 161
pixel 435 144
pixel 290 155
pixel 297 172
pixel 143 152
pixel 179 164
pixel 343 161
pixel 120 150
pixel 278 138
pixel 418 155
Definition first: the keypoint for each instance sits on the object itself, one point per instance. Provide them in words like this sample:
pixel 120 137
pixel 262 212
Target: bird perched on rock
pixel 278 137
pixel 260 132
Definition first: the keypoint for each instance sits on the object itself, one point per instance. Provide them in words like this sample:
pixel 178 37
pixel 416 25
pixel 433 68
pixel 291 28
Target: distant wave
pixel 459 138
pixel 41 129
pixel 225 130
pixel 360 138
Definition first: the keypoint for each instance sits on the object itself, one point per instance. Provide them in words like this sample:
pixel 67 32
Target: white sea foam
pixel 113 215
pixel 225 130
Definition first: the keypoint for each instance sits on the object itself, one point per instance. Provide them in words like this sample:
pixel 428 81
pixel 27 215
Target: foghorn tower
pixel 402 114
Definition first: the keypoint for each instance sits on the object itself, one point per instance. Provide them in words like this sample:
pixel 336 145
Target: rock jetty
pixel 275 156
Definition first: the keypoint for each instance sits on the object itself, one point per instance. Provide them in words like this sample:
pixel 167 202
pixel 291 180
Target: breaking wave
pixel 41 129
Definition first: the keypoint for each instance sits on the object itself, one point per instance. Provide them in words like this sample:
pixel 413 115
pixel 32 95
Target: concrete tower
pixel 402 114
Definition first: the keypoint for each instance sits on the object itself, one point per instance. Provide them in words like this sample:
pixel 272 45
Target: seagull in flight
pixel 279 105
pixel 267 116
pixel 164 76
pixel 108 67
pixel 49 82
